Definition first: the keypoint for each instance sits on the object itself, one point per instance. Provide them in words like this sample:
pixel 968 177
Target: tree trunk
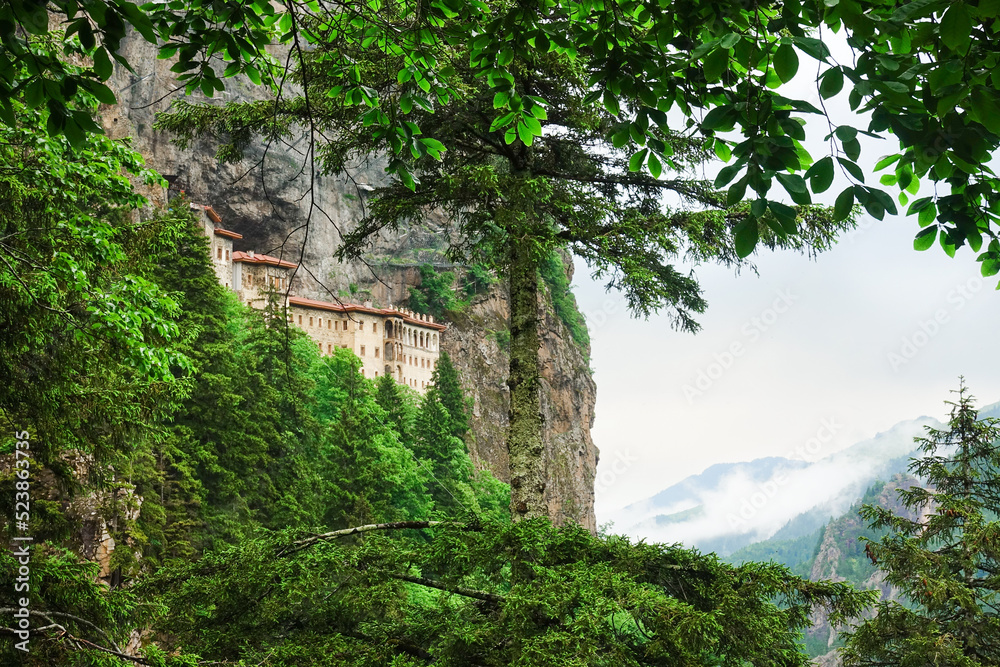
pixel 524 434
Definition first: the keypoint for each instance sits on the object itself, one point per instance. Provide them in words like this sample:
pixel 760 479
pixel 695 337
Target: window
pixel 321 348
pixel 219 254
pixel 344 346
pixel 361 325
pixel 376 373
pixel 329 348
pixel 362 350
pixel 374 327
pixel 362 372
pixel 227 254
pixel 320 322
pixel 310 321
pixel 376 353
pixel 329 323
pixel 300 320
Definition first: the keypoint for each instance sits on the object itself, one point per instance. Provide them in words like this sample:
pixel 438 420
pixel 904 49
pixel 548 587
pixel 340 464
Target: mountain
pixel 732 505
pixel 836 552
pixel 281 208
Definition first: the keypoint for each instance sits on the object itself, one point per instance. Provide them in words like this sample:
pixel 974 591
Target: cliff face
pixel 282 211
pixel 841 557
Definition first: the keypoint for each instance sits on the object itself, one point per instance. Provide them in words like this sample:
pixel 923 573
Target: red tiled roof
pixel 358 308
pixel 225 232
pixel 257 258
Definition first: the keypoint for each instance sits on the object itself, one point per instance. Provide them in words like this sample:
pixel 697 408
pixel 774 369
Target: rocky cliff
pixel 283 209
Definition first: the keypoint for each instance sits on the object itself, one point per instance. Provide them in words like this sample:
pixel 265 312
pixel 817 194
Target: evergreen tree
pixel 448 390
pixel 398 407
pixel 371 475
pixel 447 455
pixel 947 560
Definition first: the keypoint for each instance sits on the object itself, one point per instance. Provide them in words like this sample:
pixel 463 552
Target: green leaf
pixel 736 192
pixel 927 215
pixel 718 118
pixel 746 236
pixel 715 64
pixel 500 99
pixel 637 160
pixel 726 174
pixel 886 161
pixel 814 47
pixel 102 64
pixel 947 245
pixel 831 83
pixel 722 150
pixel 844 205
pixel 524 134
pixel 852 168
pixel 655 168
pixel 821 175
pixel 103 94
pixel 786 62
pixel 925 238
pixel 956 28
pixel 793 183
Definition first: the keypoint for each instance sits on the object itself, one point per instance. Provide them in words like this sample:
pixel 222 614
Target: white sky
pixel 826 357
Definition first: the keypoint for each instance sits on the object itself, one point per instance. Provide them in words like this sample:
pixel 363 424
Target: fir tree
pixel 947 560
pixel 447 455
pixel 397 406
pixel 449 393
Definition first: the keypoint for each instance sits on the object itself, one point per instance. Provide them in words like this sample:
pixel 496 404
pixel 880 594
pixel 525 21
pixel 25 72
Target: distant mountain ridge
pixel 729 506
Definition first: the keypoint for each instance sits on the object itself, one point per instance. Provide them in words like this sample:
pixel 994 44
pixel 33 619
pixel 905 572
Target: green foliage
pixel 441 293
pixel 485 594
pixel 436 293
pixel 553 272
pixel 43 67
pixel 796 553
pixel 942 554
pixel 448 391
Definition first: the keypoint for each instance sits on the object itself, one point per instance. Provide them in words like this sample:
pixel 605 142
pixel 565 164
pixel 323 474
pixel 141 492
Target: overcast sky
pixel 837 349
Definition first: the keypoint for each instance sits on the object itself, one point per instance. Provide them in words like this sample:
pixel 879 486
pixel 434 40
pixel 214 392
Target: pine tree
pixel 397 406
pixel 947 560
pixel 371 475
pixel 447 455
pixel 449 393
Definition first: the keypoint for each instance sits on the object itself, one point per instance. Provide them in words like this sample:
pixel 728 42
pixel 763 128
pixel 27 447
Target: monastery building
pixel 389 341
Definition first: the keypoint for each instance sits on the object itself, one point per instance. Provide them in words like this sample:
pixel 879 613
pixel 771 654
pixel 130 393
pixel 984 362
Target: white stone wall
pixel 256 279
pixel 365 335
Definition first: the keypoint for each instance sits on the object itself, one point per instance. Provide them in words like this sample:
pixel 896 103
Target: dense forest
pixel 192 483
